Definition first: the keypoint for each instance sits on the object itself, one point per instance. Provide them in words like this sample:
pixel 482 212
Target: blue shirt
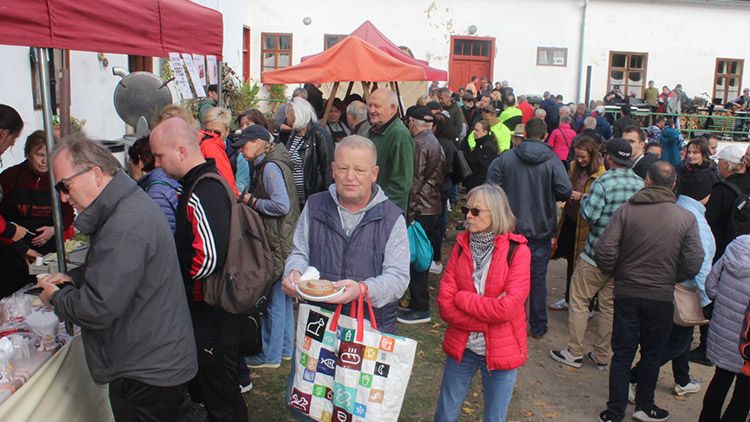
pixel 707 240
pixel 273 180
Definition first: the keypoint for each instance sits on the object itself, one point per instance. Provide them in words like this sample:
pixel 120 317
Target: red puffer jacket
pixel 501 319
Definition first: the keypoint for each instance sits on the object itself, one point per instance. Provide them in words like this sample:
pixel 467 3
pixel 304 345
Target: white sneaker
pixel 245 388
pixel 560 305
pixel 436 268
pixel 689 388
pixel 564 356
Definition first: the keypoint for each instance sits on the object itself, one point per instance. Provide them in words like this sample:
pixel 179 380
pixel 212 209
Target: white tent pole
pixel 47 111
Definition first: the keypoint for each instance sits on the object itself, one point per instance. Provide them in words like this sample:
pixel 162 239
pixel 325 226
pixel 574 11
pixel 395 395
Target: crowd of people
pixel 634 212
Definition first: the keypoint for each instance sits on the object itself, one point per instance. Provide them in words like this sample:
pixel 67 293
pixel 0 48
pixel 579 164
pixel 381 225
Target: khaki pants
pixel 587 281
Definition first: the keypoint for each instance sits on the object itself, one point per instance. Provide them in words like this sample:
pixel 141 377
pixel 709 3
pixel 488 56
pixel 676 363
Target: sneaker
pixel 689 388
pixel 286 357
pixel 604 417
pixel 414 317
pixel 599 366
pixel 255 362
pixel 699 356
pixel 245 388
pixel 560 305
pixel 632 389
pixel 436 268
pixel 564 356
pixel 654 415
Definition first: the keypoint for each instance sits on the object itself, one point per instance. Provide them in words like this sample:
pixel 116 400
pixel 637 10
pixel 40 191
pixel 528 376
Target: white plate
pixel 320 298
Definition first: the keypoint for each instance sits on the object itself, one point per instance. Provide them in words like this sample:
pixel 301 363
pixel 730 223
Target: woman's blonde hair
pixel 503 220
pixel 173 110
pixel 220 115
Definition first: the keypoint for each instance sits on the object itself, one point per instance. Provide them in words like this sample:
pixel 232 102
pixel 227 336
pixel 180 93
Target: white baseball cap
pixel 732 153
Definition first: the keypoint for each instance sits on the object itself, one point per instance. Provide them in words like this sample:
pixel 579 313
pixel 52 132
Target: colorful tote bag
pixel 346 370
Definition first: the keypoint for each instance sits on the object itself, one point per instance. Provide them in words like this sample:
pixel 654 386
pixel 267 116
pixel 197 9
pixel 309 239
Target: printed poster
pixel 194 76
pixel 179 73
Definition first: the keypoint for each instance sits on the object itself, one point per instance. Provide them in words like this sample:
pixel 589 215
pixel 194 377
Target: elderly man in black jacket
pixel 650 244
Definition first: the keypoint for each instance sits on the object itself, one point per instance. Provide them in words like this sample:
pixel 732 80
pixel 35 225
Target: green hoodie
pixel 395 149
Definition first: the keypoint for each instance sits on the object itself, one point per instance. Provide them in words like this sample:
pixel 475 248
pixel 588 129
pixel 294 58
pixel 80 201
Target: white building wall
pixel 683 39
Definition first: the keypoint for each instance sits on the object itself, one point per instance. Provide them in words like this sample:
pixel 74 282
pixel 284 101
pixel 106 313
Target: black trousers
pixel 419 293
pixel 217 336
pixel 716 393
pixel 134 401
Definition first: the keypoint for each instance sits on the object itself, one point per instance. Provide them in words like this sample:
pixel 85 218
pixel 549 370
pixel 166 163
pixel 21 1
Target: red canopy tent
pixel 368 32
pixel 141 27
pixel 351 59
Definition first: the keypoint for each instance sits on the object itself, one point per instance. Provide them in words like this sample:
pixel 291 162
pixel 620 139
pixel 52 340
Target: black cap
pixel 696 184
pixel 420 113
pixel 620 151
pixel 467 97
pixel 252 132
pixel 434 105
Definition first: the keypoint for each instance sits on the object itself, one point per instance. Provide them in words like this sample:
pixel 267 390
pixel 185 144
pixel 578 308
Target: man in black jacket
pixel 202 236
pixel 534 178
pixel 642 161
pixel 626 120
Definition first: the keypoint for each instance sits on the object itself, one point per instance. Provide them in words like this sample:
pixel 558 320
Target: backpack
pixel 243 285
pixel 739 219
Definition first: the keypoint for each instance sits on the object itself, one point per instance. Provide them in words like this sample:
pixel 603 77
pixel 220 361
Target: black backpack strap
pixel 512 245
pixel 736 189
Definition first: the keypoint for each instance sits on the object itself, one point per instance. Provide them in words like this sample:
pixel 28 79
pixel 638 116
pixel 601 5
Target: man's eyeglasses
pixel 474 211
pixel 62 185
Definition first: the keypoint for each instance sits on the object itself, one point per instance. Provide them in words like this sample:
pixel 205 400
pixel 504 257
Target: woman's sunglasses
pixel 62 185
pixel 474 211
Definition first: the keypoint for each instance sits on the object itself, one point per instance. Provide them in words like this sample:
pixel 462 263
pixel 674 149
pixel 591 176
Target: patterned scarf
pixel 481 244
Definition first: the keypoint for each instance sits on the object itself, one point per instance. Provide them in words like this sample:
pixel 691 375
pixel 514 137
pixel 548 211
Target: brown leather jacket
pixel 429 166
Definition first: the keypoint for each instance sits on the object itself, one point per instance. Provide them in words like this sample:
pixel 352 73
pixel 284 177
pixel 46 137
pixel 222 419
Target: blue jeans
pixel 676 350
pixel 497 385
pixel 541 249
pixel 278 327
pixel 637 321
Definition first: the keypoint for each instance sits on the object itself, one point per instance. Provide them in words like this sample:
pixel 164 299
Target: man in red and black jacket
pixel 202 235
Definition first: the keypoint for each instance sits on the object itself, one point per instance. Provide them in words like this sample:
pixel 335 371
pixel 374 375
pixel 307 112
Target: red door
pixel 470 56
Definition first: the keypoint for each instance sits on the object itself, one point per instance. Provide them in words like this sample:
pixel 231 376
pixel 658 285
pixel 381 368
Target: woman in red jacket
pixel 482 297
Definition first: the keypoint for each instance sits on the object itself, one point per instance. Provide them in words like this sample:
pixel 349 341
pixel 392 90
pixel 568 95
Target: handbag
pixel 687 306
pixel 347 370
pixel 461 168
pixel 421 247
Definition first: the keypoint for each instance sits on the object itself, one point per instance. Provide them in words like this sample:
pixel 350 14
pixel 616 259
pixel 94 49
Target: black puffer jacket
pixel 317 148
pixel 479 159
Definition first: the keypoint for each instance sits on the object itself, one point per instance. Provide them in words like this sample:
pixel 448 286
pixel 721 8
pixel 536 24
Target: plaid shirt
pixel 607 193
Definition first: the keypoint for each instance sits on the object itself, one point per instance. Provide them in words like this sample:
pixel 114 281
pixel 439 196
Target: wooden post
pixel 349 89
pixel 400 102
pixel 366 90
pixel 329 104
pixel 374 86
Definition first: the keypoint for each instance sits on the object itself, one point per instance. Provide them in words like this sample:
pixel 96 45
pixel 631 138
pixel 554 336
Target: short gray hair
pixel 600 109
pixel 503 220
pixel 521 98
pixel 540 112
pixel 299 92
pixel 421 124
pixel 358 110
pixel 358 142
pixel 86 152
pixel 304 113
pixel 735 167
pixel 589 122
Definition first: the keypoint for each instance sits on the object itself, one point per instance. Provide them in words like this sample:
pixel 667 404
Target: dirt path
pixel 549 391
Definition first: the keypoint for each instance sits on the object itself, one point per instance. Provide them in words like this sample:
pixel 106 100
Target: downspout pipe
pixel 580 51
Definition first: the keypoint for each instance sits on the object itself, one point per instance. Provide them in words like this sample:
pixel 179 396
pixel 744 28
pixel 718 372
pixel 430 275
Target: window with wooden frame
pixel 551 56
pixel 277 51
pixel 140 64
pixel 628 70
pixel 245 53
pixel 58 59
pixel 472 47
pixel 728 79
pixel 329 40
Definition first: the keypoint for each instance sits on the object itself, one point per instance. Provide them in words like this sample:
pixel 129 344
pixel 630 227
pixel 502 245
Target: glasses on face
pixel 215 132
pixel 62 185
pixel 474 211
